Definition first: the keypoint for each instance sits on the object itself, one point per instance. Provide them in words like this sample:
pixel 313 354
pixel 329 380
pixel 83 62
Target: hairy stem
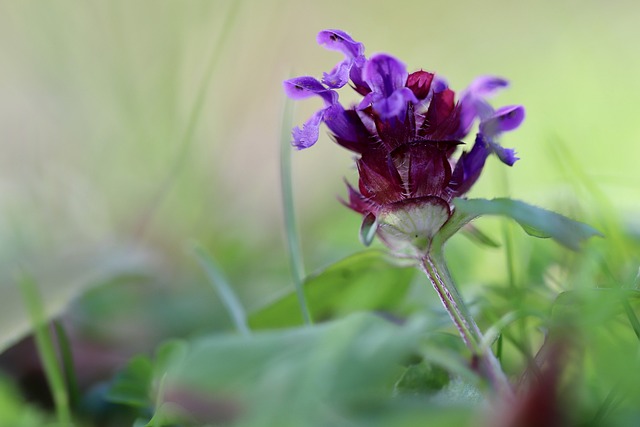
pixel 434 266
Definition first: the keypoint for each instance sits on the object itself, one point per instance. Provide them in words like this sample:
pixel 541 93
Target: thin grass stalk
pixel 293 240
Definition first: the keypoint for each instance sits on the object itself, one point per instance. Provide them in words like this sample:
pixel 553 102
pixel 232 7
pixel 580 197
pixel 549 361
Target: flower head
pixel 405 130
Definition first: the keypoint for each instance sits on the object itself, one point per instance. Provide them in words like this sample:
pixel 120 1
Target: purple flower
pixel 405 130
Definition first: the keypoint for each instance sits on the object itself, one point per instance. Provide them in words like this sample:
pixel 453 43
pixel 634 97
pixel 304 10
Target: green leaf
pixel 168 354
pixel 368 280
pixel 311 370
pixel 535 221
pixel 422 378
pixel 132 385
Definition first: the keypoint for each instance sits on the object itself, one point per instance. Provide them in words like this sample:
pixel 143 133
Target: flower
pixel 405 131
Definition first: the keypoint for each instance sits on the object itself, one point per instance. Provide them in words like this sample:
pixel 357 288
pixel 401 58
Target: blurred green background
pixel 105 146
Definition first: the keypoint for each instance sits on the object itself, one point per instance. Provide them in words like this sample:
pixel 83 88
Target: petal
pixel 358 83
pixel 385 74
pixel 348 129
pixel 340 41
pixel 506 155
pixel 505 119
pixel 473 101
pixel 306 87
pixel 469 167
pixel 486 86
pixel 339 76
pixel 308 135
pixel 394 105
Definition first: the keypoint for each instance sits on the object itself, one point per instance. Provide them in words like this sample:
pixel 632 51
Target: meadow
pixel 168 259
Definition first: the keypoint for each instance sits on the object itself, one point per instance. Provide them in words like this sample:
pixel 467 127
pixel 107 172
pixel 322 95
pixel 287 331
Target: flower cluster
pixel 405 130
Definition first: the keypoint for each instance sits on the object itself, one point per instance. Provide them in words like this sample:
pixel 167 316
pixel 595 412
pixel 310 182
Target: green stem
pixel 434 266
pixel 293 241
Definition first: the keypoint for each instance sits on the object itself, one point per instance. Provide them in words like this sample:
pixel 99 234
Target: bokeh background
pixel 129 130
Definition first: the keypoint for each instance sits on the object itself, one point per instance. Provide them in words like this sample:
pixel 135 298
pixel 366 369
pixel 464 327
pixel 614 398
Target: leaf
pixel 422 378
pixel 132 385
pixel 368 280
pixel 535 221
pixel 311 370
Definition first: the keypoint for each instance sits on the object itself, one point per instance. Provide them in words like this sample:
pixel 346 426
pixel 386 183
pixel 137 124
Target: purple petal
pixel 385 74
pixel 308 135
pixel 358 83
pixel 439 84
pixel 486 86
pixel 351 66
pixel 506 155
pixel 339 76
pixel 306 87
pixel 348 129
pixel 394 105
pixel 341 41
pixel 505 119
pixel 473 101
pixel 469 167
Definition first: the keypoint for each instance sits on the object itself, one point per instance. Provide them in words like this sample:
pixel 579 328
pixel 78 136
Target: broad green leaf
pixel 535 221
pixel 368 280
pixel 315 372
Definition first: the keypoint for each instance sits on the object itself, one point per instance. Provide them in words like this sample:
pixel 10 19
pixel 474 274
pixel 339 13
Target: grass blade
pixel 223 289
pixel 293 240
pixel 46 349
pixel 67 364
